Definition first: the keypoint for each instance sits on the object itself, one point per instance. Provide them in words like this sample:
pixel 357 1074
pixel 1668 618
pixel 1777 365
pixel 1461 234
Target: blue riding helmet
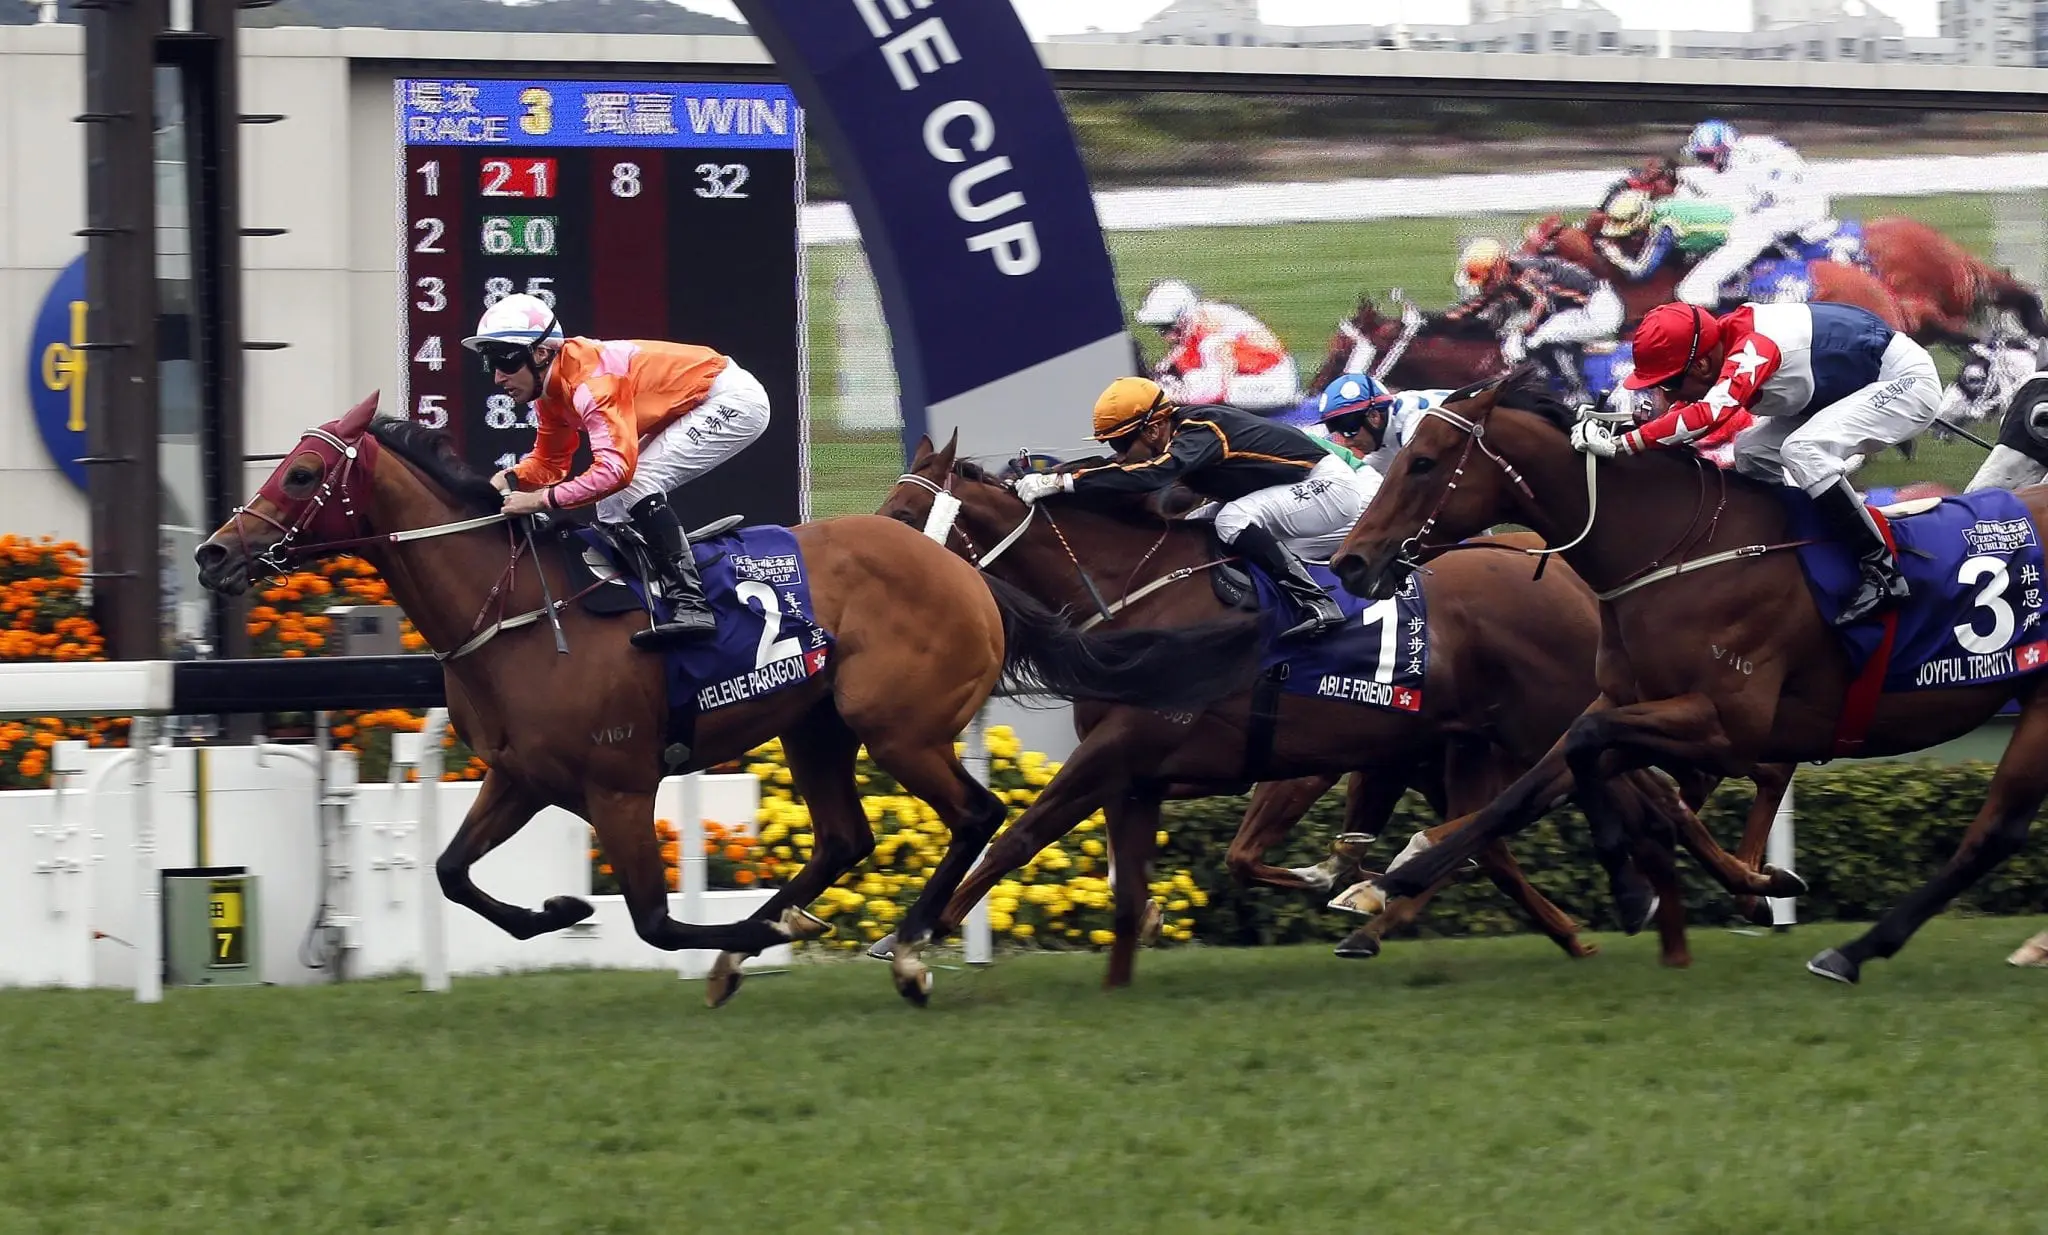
pixel 1711 137
pixel 1353 392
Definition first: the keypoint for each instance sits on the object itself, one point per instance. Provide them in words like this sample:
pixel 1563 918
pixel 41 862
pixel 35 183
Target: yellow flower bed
pixel 1060 899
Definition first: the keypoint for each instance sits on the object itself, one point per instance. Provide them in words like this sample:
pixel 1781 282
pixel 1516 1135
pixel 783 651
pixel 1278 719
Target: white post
pixel 974 932
pixel 427 835
pixel 690 847
pixel 71 859
pixel 149 932
pixel 1778 852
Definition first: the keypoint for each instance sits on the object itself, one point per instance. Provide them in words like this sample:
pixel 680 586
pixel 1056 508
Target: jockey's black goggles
pixel 1371 416
pixel 504 357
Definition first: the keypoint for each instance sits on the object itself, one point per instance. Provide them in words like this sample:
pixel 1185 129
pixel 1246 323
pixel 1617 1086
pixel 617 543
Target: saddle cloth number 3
pixel 1992 570
pixel 770 649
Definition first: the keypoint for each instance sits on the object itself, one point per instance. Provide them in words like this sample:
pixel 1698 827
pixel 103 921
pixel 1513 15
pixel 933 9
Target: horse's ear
pixel 923 451
pixel 946 455
pixel 358 417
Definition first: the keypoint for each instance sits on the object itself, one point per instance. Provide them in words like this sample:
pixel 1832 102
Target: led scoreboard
pixel 638 210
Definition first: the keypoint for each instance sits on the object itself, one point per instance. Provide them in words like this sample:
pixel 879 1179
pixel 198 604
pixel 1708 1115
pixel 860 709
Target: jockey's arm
pixel 1207 371
pixel 1749 365
pixel 1196 446
pixel 1637 268
pixel 614 445
pixel 553 453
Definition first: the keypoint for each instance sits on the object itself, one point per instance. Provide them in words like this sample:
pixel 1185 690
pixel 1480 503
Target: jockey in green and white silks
pixel 1688 228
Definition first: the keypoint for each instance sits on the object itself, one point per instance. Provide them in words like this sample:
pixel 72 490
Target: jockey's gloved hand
pixel 1041 485
pixel 1592 437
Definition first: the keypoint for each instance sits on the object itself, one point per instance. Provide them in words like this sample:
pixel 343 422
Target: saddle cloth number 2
pixel 770 649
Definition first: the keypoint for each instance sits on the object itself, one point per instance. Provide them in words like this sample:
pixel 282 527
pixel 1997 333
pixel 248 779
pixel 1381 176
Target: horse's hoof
pixel 1579 949
pixel 799 924
pixel 884 948
pixel 1784 884
pixel 1361 898
pixel 1835 967
pixel 1148 925
pixel 1756 911
pixel 1352 846
pixel 913 980
pixel 566 910
pixel 723 982
pixel 1359 945
pixel 1676 960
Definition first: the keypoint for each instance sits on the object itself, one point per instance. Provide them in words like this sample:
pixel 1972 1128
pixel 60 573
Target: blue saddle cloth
pixel 767 639
pixel 1379 657
pixel 1975 566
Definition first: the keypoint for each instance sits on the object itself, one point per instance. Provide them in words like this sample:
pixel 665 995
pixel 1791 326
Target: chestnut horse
pixel 1830 281
pixel 1943 289
pixel 1497 694
pixel 1711 666
pixel 920 640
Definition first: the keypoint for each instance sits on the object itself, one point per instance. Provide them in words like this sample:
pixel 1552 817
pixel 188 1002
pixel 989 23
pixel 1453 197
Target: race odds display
pixel 638 210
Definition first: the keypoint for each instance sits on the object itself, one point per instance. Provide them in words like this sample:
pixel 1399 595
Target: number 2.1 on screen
pixel 516 178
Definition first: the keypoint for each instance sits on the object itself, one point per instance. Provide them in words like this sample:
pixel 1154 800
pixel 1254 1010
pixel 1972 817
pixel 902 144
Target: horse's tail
pixel 2008 293
pixel 1173 668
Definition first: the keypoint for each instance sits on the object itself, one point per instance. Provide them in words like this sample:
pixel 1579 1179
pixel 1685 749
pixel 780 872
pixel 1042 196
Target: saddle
pixel 600 577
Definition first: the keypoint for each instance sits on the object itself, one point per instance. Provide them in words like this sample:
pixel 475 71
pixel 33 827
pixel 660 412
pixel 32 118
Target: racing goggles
pixel 1372 415
pixel 504 357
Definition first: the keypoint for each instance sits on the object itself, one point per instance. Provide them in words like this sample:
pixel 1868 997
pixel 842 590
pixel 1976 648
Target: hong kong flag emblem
pixel 814 660
pixel 2031 655
pixel 1408 699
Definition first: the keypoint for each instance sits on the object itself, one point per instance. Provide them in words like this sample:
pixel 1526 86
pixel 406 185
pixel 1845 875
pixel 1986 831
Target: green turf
pixel 1448 1086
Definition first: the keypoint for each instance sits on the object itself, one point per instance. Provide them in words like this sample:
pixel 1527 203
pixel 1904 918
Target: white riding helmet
pixel 1167 302
pixel 518 318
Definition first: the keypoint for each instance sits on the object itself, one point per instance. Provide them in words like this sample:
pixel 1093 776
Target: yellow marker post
pixel 64 367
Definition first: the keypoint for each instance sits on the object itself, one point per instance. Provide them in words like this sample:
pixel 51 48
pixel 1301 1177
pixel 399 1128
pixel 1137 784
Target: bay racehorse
pixel 1944 290
pixel 1830 281
pixel 1714 655
pixel 919 641
pixel 1429 353
pixel 1496 694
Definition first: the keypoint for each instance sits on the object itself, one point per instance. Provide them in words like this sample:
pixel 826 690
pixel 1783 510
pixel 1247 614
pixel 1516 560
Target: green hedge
pixel 1866 835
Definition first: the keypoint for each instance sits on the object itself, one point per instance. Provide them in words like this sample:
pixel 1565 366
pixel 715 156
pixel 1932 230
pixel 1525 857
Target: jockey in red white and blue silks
pixel 1827 383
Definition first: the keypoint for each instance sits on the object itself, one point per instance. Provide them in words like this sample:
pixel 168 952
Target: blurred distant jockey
pixel 1763 181
pixel 1687 228
pixel 1217 353
pixel 1557 307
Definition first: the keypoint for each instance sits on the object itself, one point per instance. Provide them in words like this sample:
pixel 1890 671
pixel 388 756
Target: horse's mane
pixel 1525 390
pixel 431 452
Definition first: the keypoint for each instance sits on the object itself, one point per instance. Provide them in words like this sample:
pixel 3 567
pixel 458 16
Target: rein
pixel 944 522
pixel 338 485
pixel 1655 571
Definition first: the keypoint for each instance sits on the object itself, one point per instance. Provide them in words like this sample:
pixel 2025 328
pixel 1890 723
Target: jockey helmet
pixel 1668 340
pixel 518 318
pixel 1482 263
pixel 1166 303
pixel 1127 406
pixel 1627 214
pixel 1354 401
pixel 1353 392
pixel 1710 139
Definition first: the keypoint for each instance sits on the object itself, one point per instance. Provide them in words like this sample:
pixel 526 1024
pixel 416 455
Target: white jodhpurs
pixel 1814 450
pixel 1592 322
pixel 1310 516
pixel 1279 386
pixel 2007 469
pixel 1748 236
pixel 733 414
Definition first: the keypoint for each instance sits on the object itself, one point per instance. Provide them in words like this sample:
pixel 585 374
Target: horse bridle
pixel 1412 549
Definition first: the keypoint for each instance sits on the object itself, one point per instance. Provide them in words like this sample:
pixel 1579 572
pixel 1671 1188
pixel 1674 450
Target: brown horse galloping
pixel 1830 281
pixel 1713 670
pixel 920 640
pixel 1497 693
pixel 1437 356
pixel 1943 289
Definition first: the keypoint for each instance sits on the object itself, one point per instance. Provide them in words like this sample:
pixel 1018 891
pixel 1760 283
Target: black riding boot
pixel 1259 547
pixel 1850 522
pixel 691 617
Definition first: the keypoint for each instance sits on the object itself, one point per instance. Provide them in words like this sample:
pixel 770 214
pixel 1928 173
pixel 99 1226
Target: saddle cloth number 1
pixel 1388 614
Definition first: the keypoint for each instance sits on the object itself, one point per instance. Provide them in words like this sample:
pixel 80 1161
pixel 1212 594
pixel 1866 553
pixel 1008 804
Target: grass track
pixel 1478 1085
